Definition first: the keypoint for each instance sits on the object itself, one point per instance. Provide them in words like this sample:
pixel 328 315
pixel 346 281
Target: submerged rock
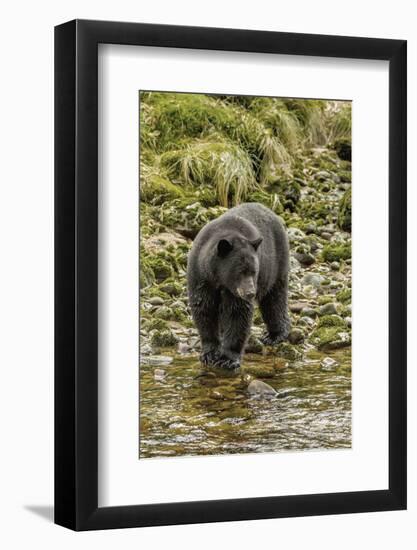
pixel 328 363
pixel 260 389
pixel 159 374
pixel 261 371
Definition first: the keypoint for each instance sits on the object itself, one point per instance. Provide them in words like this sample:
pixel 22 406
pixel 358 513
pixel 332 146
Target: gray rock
pixel 146 349
pixel 156 301
pixel 260 389
pixel 183 347
pixel 305 258
pixel 306 321
pixel 313 279
pixel 297 307
pixel 335 266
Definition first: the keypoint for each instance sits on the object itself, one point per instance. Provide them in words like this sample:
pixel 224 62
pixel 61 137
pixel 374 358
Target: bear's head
pixel 237 265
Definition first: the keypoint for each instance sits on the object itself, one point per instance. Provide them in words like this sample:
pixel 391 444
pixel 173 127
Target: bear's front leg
pixel 274 310
pixel 235 322
pixel 204 305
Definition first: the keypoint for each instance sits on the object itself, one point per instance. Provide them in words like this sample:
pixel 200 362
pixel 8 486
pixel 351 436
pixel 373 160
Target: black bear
pixel 240 257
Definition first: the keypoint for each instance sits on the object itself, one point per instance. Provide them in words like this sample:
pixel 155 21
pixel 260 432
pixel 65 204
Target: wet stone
pixel 159 374
pixel 328 364
pixel 260 389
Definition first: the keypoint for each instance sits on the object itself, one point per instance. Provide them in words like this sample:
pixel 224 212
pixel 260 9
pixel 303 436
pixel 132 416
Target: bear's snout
pixel 246 289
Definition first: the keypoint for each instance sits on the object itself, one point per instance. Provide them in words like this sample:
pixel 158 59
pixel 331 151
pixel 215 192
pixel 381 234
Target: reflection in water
pixel 190 411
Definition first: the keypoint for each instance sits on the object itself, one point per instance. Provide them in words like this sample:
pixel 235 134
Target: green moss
pixel 345 176
pixel 344 296
pixel 155 324
pixel 270 200
pixel 328 338
pixel 344 219
pixel 336 252
pixel 146 274
pixel 289 351
pixel 326 299
pixel 164 339
pixel 289 192
pixel 156 190
pixel 331 321
pixel 259 371
pixel 186 216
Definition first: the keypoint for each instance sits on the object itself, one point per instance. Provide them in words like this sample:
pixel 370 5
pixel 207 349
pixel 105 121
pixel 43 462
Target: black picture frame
pixel 76 272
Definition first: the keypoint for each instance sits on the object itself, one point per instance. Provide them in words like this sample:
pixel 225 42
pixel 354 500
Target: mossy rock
pixel 316 210
pixel 186 216
pixel 331 321
pixel 336 252
pixel 325 299
pixel 164 339
pixel 259 371
pixel 169 314
pixel 289 192
pixel 156 190
pixel 344 296
pixel 172 287
pixel 344 219
pixel 154 324
pixel 329 338
pixel 161 268
pixel 289 351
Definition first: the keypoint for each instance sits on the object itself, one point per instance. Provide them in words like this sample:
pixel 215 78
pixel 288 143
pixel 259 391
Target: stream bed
pixel 186 410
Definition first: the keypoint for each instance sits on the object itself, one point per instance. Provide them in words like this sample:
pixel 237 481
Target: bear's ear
pixel 224 247
pixel 256 243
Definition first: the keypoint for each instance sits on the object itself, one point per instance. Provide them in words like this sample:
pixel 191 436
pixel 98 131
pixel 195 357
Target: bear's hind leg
pixel 274 310
pixel 236 319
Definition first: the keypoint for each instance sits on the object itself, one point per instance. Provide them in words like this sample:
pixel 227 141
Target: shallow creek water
pixel 190 411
